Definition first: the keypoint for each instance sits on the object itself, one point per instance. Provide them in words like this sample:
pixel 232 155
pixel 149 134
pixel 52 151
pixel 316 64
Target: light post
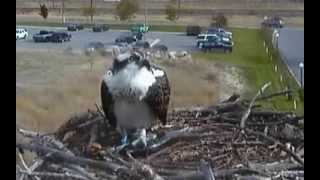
pixel 277 37
pixel 301 66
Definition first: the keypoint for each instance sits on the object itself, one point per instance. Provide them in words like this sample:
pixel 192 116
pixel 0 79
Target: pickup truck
pixel 21 34
pixel 51 36
pixel 219 31
pixel 218 43
pixel 43 36
pixel 210 37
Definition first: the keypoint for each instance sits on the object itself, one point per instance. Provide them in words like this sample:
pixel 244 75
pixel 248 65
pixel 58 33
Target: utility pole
pixel 179 6
pixel 91 10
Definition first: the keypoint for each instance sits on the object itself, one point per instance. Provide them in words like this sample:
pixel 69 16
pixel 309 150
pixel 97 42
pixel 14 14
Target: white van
pixel 21 34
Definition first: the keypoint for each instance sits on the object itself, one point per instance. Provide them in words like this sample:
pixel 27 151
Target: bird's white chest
pixel 132 115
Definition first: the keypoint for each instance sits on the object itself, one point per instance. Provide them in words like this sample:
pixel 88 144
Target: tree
pixel 62 11
pixel 219 20
pixel 44 11
pixel 171 13
pixel 88 11
pixel 92 11
pixel 126 9
pixel 53 5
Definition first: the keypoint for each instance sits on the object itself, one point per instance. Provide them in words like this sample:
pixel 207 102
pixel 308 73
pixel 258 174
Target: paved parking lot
pixel 174 41
pixel 291 42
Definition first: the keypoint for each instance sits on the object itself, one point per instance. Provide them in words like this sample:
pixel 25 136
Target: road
pixel 174 41
pixel 290 43
pixel 291 46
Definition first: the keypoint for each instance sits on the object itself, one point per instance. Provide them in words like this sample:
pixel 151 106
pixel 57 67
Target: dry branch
pixel 59 156
pixel 274 141
pixel 248 111
pixel 51 174
pixel 176 150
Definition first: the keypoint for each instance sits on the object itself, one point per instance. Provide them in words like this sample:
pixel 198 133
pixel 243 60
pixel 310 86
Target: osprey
pixel 134 94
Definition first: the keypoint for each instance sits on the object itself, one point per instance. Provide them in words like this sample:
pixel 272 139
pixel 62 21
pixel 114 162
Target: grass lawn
pixel 250 56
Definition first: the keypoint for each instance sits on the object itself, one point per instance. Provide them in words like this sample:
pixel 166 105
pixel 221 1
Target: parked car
pixel 217 43
pixel 219 31
pixel 21 33
pixel 126 39
pixel 204 37
pixel 137 35
pixel 141 45
pixel 95 47
pixel 140 28
pixel 273 22
pixel 51 36
pixel 193 30
pixel 100 28
pixel 75 27
pixel 60 37
pixel 42 36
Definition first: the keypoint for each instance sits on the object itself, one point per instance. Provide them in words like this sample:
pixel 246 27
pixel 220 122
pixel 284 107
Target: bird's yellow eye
pixel 109 73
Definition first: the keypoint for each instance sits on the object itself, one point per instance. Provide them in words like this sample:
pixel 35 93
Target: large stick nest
pixel 197 143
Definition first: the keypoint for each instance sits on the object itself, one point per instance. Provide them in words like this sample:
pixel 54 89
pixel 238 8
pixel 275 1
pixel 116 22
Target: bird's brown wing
pixel 158 97
pixel 108 104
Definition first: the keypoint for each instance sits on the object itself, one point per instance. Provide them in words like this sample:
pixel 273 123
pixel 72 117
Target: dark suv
pixel 193 30
pixel 43 36
pixel 100 28
pixel 217 43
pixel 125 39
pixel 60 37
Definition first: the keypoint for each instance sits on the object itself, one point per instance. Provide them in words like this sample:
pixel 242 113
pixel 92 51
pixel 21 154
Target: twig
pixel 206 170
pixel 274 95
pixel 25 167
pixel 52 174
pixel 99 110
pixel 58 145
pixel 93 134
pixel 274 141
pixel 62 157
pixel 247 113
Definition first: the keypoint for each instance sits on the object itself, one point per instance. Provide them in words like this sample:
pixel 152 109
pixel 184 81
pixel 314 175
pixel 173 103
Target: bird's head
pixel 123 60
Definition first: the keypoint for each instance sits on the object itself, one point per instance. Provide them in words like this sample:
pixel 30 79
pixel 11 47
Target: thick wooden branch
pixel 247 113
pixel 52 175
pixel 51 141
pixel 62 157
pixel 24 164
